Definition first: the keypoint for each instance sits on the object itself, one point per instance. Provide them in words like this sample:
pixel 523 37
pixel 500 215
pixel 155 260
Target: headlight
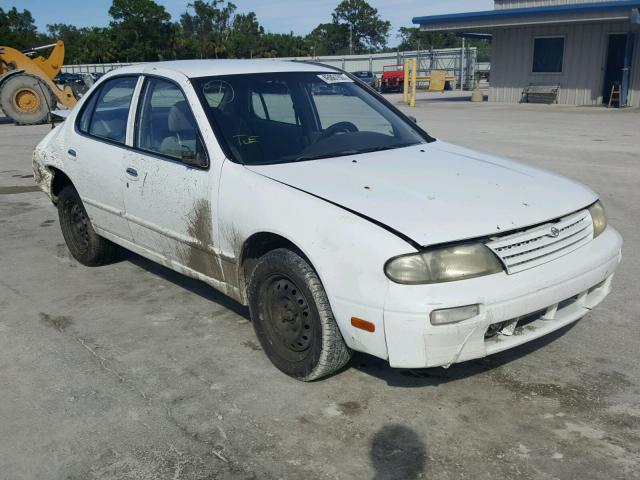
pixel 447 264
pixel 599 218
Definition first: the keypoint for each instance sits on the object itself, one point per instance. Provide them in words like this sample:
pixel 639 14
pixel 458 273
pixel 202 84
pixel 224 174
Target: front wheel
pixel 292 317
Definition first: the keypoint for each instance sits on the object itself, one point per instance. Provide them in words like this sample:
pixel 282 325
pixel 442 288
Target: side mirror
pixel 413 119
pixel 194 159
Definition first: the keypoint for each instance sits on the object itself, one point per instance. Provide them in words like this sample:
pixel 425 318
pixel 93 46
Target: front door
pixel 617 66
pixel 167 196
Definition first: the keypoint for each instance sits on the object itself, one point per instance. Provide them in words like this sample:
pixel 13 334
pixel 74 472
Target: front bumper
pixel 546 297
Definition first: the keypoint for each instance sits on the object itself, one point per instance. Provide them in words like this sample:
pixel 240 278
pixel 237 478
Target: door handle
pixel 71 153
pixel 132 172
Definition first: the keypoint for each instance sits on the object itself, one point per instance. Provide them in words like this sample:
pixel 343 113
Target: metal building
pixel 580 48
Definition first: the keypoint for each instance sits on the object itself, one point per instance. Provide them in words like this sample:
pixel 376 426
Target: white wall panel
pixel 581 81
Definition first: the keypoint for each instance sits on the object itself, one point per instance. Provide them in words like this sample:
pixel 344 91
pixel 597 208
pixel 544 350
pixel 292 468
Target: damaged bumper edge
pixel 542 299
pixel 47 154
pixel 42 175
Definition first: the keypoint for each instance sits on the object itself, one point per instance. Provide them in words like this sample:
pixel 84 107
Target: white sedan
pixel 300 192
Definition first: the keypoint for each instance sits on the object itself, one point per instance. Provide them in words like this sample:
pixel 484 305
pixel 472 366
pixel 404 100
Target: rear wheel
pixel 83 242
pixel 26 100
pixel 292 317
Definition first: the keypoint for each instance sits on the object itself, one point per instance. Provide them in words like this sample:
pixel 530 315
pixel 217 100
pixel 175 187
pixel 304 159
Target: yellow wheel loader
pixel 27 91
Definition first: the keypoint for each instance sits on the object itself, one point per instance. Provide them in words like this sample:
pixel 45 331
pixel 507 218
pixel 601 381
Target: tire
pixel 86 246
pixel 292 317
pixel 26 99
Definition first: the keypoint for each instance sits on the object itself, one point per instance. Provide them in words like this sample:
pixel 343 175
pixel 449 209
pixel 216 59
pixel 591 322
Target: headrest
pixel 180 118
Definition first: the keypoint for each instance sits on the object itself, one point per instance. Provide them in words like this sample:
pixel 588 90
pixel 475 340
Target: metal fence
pixel 456 61
pixel 93 67
pixel 459 62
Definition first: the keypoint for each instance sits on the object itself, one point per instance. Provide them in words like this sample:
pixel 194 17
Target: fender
pixel 389 229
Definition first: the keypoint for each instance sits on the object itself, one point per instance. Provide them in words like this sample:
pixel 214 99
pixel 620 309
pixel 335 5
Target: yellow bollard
pixel 405 81
pixel 414 81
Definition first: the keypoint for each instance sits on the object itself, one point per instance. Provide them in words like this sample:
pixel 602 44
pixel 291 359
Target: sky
pixel 278 16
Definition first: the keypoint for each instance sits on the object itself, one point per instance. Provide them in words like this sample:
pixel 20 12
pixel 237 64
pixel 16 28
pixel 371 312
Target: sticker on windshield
pixel 334 78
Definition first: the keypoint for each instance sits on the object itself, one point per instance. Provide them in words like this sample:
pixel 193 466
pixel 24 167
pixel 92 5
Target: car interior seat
pixel 182 131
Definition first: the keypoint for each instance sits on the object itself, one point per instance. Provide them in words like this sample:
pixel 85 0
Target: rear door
pixel 168 189
pixel 96 152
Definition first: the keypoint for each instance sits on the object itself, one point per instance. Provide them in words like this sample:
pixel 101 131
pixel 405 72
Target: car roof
pixel 206 68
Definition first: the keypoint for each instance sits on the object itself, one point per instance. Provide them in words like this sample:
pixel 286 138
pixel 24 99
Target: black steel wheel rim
pixel 79 225
pixel 287 317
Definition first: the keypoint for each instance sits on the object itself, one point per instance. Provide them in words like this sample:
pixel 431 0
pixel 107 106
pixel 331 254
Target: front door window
pixel 166 125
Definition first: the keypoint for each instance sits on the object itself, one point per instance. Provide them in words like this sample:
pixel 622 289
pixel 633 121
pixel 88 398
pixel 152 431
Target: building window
pixel 548 54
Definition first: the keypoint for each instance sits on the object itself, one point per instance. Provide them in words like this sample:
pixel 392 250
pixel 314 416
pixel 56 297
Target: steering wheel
pixel 340 127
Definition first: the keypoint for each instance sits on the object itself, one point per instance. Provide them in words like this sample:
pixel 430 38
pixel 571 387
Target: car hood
pixel 437 192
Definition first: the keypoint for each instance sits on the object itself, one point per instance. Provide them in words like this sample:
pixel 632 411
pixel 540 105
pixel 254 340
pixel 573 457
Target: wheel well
pixel 260 243
pixel 60 180
pixel 256 246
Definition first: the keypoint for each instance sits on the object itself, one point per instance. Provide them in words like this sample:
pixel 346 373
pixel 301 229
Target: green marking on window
pixel 247 139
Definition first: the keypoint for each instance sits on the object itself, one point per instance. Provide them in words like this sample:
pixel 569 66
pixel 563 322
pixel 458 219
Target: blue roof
pixel 532 11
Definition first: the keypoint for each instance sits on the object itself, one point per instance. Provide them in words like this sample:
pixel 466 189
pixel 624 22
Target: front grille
pixel 530 248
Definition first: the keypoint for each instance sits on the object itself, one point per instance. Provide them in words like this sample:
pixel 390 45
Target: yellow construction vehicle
pixel 27 91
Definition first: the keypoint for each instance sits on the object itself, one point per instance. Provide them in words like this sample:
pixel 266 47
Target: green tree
pixel 73 41
pixel 99 46
pixel 207 30
pixel 245 38
pixel 368 30
pixel 283 45
pixel 84 45
pixel 141 30
pixel 416 39
pixel 18 29
pixel 329 39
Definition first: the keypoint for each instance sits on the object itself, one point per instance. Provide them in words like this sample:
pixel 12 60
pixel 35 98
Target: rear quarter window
pixel 271 100
pixel 106 113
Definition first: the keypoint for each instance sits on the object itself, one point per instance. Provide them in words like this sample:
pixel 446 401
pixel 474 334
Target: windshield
pixel 287 117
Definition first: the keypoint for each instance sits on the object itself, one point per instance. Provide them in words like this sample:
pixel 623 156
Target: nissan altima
pixel 343 225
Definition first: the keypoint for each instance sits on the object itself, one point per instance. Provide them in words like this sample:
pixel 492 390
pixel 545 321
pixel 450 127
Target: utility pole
pixel 462 64
pixel 350 39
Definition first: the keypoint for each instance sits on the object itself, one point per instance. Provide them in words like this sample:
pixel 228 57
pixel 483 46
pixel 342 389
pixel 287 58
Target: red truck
pixel 392 78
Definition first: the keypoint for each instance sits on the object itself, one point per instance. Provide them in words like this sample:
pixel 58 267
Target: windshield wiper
pixel 385 147
pixel 343 153
pixel 318 156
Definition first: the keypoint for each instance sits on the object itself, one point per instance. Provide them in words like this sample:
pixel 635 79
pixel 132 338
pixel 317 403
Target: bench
pixel 540 94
